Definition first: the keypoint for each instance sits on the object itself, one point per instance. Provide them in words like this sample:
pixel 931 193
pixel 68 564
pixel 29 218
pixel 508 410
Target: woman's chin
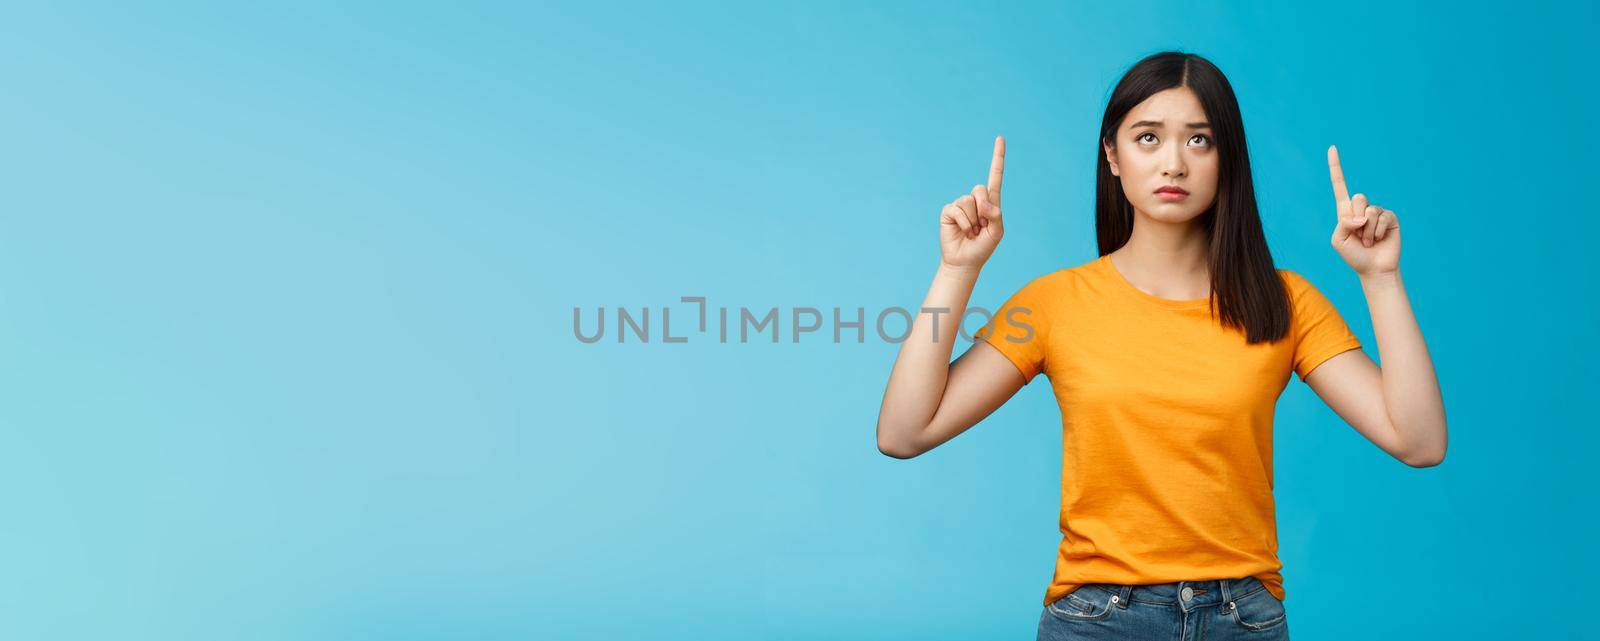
pixel 1171 212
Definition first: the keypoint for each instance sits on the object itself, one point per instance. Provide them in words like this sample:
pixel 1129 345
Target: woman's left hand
pixel 1366 236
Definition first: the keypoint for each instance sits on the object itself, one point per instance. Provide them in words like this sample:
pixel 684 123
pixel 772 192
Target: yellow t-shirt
pixel 1166 421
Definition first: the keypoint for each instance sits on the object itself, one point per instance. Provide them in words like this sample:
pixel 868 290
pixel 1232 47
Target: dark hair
pixel 1245 286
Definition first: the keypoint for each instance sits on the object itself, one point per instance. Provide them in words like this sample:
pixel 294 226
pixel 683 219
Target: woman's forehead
pixel 1177 106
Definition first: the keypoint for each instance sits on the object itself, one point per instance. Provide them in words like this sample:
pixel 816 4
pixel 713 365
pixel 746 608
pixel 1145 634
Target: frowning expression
pixel 1166 157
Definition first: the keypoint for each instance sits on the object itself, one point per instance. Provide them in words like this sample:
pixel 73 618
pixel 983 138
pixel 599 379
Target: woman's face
pixel 1164 143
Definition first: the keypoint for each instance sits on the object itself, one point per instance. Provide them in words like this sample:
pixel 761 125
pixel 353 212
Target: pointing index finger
pixel 1336 172
pixel 997 167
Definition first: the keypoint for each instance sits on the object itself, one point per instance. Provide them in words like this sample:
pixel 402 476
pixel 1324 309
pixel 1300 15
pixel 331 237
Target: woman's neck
pixel 1166 260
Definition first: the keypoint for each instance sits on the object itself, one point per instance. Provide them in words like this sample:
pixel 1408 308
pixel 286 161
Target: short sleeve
pixel 1017 329
pixel 1318 330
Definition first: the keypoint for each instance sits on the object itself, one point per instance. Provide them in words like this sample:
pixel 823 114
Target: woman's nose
pixel 1172 164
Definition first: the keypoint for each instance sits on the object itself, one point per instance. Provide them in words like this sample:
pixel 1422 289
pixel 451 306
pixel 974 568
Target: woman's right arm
pixel 929 400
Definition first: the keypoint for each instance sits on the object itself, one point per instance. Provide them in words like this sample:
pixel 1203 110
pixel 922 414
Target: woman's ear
pixel 1111 158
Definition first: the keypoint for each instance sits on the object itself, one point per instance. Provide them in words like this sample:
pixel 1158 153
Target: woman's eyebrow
pixel 1160 123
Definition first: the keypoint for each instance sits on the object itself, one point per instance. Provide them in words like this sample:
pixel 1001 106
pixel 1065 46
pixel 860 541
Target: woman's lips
pixel 1172 193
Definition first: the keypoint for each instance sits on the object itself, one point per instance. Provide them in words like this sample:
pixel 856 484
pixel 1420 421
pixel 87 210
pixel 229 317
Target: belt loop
pixel 1124 595
pixel 1227 593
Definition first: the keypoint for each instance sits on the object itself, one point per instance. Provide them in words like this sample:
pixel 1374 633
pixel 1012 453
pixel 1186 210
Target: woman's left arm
pixel 1398 407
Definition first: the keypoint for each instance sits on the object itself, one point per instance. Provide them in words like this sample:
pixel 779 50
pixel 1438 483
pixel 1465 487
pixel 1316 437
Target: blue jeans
pixel 1221 610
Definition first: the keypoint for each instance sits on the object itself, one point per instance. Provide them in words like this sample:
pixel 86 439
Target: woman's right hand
pixel 929 399
pixel 970 226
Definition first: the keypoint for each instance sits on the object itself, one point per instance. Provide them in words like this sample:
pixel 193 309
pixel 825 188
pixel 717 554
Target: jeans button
pixel 1188 594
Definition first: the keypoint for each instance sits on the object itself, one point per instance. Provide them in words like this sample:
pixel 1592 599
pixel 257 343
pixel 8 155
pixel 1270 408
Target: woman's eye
pixel 1141 138
pixel 1204 139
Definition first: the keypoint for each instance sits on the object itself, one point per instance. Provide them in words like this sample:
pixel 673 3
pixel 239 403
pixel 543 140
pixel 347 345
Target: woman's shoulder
pixel 1062 280
pixel 1302 291
pixel 1294 280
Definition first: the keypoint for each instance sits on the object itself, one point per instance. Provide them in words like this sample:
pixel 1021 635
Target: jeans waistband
pixel 1200 593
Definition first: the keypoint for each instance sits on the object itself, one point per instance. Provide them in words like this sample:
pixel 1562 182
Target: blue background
pixel 286 313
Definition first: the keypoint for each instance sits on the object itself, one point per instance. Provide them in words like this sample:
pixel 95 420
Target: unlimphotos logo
pixel 766 323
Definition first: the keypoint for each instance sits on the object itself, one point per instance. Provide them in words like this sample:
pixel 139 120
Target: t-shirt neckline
pixel 1170 303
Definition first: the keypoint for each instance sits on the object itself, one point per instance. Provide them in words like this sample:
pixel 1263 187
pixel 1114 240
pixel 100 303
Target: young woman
pixel 1167 355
